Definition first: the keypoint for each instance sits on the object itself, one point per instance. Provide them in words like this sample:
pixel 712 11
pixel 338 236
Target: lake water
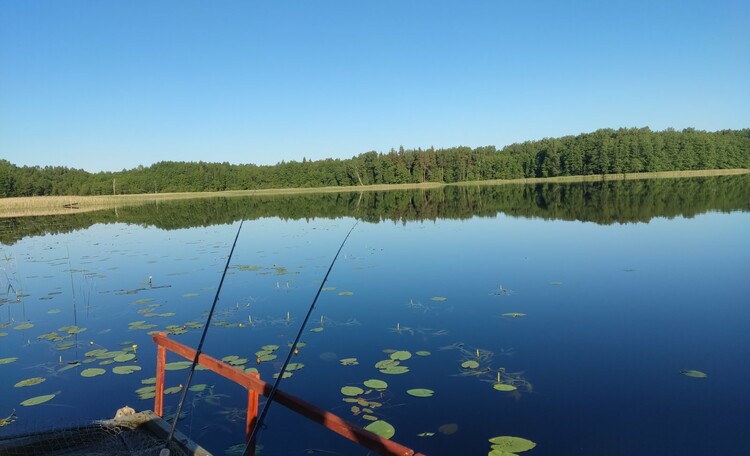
pixel 621 287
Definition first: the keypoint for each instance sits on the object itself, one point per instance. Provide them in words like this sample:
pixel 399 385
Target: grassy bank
pixel 52 205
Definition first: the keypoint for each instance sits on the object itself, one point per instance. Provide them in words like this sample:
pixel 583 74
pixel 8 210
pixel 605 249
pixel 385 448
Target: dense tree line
pixel 603 202
pixel 605 151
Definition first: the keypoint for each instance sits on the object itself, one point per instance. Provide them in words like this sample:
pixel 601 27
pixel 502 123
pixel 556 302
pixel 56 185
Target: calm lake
pixel 602 304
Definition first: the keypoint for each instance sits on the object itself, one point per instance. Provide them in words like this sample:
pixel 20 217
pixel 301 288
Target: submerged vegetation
pixel 605 151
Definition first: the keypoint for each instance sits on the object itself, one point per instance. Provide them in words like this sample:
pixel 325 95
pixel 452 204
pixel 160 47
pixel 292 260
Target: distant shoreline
pixel 59 205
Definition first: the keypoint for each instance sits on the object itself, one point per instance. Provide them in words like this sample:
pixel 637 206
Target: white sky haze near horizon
pixel 110 85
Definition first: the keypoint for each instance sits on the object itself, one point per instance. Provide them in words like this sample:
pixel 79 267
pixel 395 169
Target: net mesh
pixel 135 435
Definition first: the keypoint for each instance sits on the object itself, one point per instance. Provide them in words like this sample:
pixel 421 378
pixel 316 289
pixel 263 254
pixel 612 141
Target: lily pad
pixel 401 355
pixel 422 353
pixel 511 444
pixel 438 298
pixel 124 357
pixel 125 370
pixel 173 390
pixel 37 400
pixel 470 364
pixel 420 392
pixel 448 429
pixel 317 330
pixel 381 428
pixel 198 388
pixel 267 357
pixel 8 360
pixel 693 373
pixel 286 375
pixel 30 382
pixel 178 365
pixel 348 361
pixel 376 384
pixel 92 372
pixel 351 390
pixel 24 326
pixel 504 387
pixel 513 314
pixel 394 370
pixel 345 293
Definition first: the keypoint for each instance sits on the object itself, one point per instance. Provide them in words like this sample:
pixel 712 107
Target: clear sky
pixel 107 85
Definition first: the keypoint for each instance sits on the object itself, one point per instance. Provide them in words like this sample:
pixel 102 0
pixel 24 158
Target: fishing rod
pixel 165 450
pixel 293 349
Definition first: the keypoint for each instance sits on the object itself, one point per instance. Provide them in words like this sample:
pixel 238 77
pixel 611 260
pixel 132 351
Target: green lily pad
pixel 173 390
pixel 470 364
pixel 286 375
pixel 438 298
pixel 37 400
pixel 270 347
pixel 178 365
pixel 420 392
pixel 294 366
pixel 149 381
pixel 511 444
pixel 125 370
pixel 694 373
pixel 198 388
pixel 267 357
pixel 124 357
pixel 351 390
pixel 317 330
pixel 348 361
pixel 504 387
pixel 54 311
pixel 24 326
pixel 386 363
pixel 422 353
pixel 8 360
pixel 345 293
pixel 555 283
pixel 376 384
pixel 3 334
pixel 381 428
pixel 190 295
pixel 30 382
pixel 92 372
pixel 401 355
pixel 394 370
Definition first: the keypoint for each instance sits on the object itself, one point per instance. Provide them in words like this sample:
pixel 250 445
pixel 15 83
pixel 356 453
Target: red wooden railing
pixel 255 387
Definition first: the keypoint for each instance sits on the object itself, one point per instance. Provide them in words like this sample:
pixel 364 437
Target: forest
pixel 605 151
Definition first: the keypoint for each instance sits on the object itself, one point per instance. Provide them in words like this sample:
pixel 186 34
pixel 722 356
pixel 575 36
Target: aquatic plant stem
pixel 293 348
pixel 203 338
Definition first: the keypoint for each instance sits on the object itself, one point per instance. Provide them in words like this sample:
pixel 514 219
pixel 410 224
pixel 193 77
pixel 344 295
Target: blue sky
pixel 112 85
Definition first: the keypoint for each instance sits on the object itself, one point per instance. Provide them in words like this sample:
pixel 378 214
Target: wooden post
pixel 161 360
pixel 252 414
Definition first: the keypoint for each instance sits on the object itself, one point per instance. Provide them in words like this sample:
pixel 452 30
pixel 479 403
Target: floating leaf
pixel 555 283
pixel 251 369
pixel 394 370
pixel 694 373
pixel 294 366
pixel 125 370
pixel 3 334
pixel 381 428
pixel 189 295
pixel 316 330
pixel 173 390
pixel 149 381
pixel 124 357
pixel 92 372
pixel 267 357
pixel 470 364
pixel 270 347
pixel 37 400
pixel 386 362
pixel 401 355
pixel 345 293
pixel 286 375
pixel 369 417
pixel 514 314
pixel 24 326
pixel 30 382
pixel 53 311
pixel 198 388
pixel 422 353
pixel 348 361
pixel 511 444
pixel 504 387
pixel 98 352
pixel 329 288
pixel 177 365
pixel 376 384
pixel 420 392
pixel 351 390
pixel 438 298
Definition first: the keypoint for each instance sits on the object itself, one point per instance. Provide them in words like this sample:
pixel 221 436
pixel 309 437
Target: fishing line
pixel 262 416
pixel 165 451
